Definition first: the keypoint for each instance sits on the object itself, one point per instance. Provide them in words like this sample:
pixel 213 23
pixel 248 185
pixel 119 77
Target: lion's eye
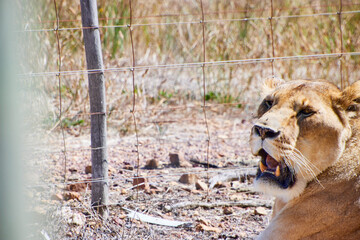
pixel 269 103
pixel 352 108
pixel 304 113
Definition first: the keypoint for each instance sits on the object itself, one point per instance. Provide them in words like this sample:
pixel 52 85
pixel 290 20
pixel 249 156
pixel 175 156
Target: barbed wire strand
pixel 191 22
pixel 192 65
pixel 56 31
pixel 310 6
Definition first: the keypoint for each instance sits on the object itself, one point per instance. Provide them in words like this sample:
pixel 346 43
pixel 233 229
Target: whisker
pixel 303 157
pixel 288 161
pixel 308 166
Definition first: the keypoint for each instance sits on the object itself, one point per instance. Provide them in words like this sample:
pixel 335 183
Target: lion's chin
pixel 272 188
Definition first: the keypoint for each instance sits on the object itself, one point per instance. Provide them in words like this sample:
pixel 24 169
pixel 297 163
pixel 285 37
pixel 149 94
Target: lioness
pixel 307 135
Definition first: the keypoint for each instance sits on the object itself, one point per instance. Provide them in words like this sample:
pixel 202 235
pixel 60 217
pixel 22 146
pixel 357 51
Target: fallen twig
pixel 244 204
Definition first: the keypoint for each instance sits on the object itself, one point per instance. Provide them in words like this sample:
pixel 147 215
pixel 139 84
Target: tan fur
pixel 326 203
pixel 351 96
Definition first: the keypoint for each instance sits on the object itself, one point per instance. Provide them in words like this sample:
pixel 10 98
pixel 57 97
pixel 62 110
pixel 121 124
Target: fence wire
pixel 204 64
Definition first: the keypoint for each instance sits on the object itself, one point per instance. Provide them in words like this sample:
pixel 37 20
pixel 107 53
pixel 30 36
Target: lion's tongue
pixel 271 162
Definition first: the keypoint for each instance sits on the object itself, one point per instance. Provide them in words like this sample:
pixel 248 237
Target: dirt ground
pixel 231 210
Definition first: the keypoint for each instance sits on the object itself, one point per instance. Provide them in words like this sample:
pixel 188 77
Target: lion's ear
pixel 351 99
pixel 270 84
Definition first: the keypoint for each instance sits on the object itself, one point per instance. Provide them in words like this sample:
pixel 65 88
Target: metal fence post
pixel 99 187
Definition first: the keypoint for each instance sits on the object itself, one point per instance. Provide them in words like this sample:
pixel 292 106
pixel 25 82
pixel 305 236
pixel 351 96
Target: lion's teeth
pixel 277 171
pixel 262 167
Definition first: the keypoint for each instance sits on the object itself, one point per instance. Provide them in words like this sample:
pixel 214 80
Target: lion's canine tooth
pixel 262 167
pixel 277 171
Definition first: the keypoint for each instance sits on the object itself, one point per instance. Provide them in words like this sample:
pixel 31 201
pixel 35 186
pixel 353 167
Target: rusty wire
pixel 134 91
pixel 204 86
pixel 272 36
pixel 56 31
pixel 341 45
pixel 192 65
pixel 309 6
pixel 188 22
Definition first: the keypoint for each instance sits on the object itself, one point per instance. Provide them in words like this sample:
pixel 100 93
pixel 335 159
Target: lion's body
pixel 310 153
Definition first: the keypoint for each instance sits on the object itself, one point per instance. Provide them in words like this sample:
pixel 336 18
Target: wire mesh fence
pixel 180 78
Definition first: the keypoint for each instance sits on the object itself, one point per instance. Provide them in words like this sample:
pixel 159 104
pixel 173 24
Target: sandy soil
pixel 62 211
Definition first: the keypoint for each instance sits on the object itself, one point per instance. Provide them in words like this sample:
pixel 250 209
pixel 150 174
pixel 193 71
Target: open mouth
pixel 274 171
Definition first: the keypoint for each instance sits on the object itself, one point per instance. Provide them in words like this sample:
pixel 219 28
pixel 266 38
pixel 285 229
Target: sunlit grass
pixel 182 43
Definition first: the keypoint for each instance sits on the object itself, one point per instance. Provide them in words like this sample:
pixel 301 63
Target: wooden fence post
pixel 99 187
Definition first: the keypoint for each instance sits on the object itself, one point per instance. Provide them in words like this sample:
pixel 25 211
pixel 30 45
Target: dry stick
pixel 56 30
pixel 272 36
pixel 204 90
pixel 243 203
pixel 134 98
pixel 341 48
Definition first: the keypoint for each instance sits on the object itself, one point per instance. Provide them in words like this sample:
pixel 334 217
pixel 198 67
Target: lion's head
pixel 301 129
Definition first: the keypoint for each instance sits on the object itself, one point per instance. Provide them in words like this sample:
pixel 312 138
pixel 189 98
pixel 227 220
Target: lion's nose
pixel 265 132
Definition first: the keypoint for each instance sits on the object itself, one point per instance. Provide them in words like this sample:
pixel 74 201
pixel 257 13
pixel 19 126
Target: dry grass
pixel 182 43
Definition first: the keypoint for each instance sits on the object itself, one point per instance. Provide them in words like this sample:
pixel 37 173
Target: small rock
pixel 77 219
pixel 152 164
pixel 174 160
pixel 178 160
pixel 236 184
pixel 128 167
pixel 221 185
pixel 188 178
pixel 88 169
pixel 71 195
pixel 123 191
pixel 72 170
pixel 204 221
pixel 196 213
pixel 58 197
pixel 201 185
pixel 236 198
pixel 167 208
pixel 260 211
pixel 141 183
pixel 204 228
pixel 220 154
pixel 228 210
pixel 78 187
